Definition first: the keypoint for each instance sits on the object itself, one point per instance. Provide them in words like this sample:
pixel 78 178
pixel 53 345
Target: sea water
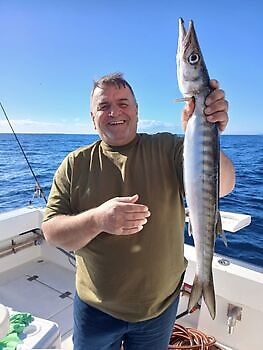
pixel 46 151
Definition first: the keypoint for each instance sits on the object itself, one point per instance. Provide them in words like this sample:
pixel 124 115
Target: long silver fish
pixel 201 166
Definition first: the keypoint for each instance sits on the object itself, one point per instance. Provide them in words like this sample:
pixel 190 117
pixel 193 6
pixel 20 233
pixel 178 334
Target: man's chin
pixel 117 140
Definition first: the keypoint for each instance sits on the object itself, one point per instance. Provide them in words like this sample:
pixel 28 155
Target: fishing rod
pixel 38 188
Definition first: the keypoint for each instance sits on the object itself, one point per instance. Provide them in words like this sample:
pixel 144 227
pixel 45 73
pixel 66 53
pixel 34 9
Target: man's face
pixel 114 112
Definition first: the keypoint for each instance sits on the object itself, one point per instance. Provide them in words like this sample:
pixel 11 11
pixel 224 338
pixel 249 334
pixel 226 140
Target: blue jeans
pixel 96 330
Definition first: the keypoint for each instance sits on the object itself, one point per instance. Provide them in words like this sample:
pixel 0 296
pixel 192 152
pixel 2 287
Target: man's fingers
pixel 137 215
pixel 134 208
pixel 189 108
pixel 215 96
pixel 218 106
pixel 187 112
pixel 131 231
pixel 135 223
pixel 129 204
pixel 130 199
pixel 214 84
pixel 220 118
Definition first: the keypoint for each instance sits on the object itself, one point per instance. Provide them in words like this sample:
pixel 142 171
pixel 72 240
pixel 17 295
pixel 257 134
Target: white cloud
pixel 152 126
pixel 30 126
pixel 64 126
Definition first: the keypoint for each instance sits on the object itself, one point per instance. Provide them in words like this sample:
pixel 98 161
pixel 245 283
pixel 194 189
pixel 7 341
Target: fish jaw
pixel 192 74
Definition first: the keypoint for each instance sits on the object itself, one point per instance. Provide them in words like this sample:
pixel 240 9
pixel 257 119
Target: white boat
pixel 38 278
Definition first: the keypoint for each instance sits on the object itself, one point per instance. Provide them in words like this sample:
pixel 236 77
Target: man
pixel 118 203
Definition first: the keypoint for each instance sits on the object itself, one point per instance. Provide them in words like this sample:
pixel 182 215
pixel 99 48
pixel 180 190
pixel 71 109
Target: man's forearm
pixel 227 175
pixel 71 232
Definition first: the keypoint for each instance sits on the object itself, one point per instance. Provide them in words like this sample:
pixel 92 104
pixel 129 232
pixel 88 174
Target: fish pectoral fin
pixel 223 236
pixel 219 229
pixel 209 297
pixel 196 294
pixel 190 229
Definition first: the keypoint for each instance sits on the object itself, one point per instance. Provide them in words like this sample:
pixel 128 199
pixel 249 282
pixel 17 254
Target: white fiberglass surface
pixel 41 288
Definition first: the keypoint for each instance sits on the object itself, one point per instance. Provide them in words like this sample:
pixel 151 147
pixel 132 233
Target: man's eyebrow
pixel 103 103
pixel 107 102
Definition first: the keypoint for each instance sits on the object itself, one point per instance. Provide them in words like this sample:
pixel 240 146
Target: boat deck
pixel 44 289
pixel 40 279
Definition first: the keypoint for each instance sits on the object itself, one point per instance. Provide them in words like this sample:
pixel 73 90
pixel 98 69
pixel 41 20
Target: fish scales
pixel 201 166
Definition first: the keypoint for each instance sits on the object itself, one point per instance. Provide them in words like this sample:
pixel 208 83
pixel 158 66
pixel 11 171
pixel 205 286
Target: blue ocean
pixel 46 151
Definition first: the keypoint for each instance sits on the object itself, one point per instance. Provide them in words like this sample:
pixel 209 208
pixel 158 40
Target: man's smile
pixel 119 122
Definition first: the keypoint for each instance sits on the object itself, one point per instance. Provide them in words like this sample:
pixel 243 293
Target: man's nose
pixel 114 111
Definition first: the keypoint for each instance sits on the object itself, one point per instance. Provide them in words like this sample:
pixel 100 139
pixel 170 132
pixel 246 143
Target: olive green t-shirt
pixel 134 277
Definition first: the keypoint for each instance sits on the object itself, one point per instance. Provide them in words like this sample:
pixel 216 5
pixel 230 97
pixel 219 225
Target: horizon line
pixel 139 132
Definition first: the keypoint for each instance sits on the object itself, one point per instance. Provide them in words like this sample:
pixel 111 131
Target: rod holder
pixel 234 314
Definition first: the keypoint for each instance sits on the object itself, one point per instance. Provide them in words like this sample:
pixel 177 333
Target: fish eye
pixel 193 58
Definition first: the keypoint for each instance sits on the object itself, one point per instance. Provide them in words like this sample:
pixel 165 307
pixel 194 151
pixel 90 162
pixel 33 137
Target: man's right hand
pixel 118 216
pixel 122 215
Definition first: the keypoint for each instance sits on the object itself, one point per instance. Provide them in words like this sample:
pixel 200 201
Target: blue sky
pixel 51 51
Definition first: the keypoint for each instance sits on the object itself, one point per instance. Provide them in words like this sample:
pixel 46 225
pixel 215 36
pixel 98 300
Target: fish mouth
pixel 192 74
pixel 189 37
pixel 182 31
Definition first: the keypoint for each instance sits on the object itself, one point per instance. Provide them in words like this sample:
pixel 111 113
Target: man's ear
pixel 93 119
pixel 137 110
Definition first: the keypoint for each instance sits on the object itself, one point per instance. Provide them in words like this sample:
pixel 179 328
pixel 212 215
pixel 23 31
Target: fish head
pixel 192 74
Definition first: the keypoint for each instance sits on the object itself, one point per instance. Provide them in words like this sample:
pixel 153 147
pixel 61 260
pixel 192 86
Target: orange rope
pixel 190 339
pixel 184 338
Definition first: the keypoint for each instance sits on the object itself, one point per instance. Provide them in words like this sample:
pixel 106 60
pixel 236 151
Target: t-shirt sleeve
pixel 59 202
pixel 178 161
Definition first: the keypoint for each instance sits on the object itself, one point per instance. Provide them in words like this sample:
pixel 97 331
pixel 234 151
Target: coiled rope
pixel 190 339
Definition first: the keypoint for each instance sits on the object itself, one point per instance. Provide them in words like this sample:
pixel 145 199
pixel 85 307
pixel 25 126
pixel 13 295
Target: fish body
pixel 201 166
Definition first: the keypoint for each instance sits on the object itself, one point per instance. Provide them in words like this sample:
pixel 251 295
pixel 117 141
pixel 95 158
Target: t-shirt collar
pixel 107 147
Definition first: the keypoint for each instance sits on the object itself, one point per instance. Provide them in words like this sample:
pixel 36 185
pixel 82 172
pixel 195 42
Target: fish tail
pixel 209 297
pixel 196 294
pixel 206 290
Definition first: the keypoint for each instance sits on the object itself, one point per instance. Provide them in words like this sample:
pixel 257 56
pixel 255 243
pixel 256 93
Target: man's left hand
pixel 216 107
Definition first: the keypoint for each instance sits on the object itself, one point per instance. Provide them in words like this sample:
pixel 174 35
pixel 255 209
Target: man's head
pixel 114 110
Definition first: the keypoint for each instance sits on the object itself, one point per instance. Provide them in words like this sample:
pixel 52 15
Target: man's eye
pixel 123 105
pixel 103 107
